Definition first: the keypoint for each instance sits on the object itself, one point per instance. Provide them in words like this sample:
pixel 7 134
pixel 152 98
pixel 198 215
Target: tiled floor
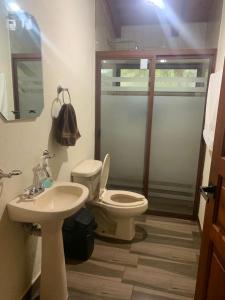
pixel 161 264
pixel 170 205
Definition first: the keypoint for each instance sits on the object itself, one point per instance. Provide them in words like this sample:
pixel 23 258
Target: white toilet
pixel 114 210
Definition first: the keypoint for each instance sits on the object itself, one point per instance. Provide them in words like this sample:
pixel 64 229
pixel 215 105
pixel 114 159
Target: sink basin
pixel 55 203
pixel 49 209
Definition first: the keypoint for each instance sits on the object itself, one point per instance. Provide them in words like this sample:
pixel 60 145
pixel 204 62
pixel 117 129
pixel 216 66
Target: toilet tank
pixel 88 173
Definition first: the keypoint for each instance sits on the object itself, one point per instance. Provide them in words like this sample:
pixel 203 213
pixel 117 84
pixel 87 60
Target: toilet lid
pixel 104 173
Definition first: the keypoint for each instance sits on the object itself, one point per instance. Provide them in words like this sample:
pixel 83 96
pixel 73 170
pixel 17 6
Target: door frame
pixel 153 56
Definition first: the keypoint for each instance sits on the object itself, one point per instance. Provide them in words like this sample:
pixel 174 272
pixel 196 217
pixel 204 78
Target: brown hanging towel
pixel 67 132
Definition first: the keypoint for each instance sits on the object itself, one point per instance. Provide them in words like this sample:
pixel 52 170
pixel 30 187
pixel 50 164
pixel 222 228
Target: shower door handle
pixel 208 191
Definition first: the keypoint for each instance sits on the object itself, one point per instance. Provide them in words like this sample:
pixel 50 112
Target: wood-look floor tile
pixel 197 238
pixel 103 253
pixel 112 271
pixel 140 293
pixel 108 242
pixel 154 230
pixel 98 286
pixel 161 280
pixel 170 220
pixel 114 255
pixel 77 295
pixel 125 257
pixel 174 227
pixel 170 240
pixel 187 269
pixel 182 285
pixel 159 264
pixel 165 251
pixel 145 278
pixel 141 218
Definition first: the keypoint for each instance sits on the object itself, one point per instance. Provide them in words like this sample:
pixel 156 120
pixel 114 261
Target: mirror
pixel 21 83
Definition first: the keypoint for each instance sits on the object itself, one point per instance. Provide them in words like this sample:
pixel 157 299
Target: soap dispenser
pixel 47 178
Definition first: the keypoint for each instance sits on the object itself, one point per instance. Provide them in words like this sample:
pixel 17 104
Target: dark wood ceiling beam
pixel 116 24
pixel 138 12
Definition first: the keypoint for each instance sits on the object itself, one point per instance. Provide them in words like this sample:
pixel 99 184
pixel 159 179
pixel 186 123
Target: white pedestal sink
pixel 49 209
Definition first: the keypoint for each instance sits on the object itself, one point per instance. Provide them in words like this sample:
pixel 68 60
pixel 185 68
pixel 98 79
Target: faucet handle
pixel 15 173
pixel 46 154
pixel 30 190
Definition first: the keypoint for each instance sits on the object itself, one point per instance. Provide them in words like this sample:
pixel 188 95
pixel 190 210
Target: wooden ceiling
pixel 138 12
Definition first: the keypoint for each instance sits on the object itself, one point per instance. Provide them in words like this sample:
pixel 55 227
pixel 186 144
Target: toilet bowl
pixel 114 210
pixel 124 203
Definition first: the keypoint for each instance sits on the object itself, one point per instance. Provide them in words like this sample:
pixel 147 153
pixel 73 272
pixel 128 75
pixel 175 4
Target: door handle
pixel 208 191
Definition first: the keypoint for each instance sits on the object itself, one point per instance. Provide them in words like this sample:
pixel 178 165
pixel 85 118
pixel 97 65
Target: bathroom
pixel 162 265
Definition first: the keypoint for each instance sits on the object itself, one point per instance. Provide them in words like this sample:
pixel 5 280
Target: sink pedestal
pixel 49 209
pixel 53 269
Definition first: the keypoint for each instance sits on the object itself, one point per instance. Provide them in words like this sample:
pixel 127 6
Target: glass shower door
pixel 178 112
pixel 124 102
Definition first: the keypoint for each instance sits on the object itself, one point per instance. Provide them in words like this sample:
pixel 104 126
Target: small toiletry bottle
pixel 47 182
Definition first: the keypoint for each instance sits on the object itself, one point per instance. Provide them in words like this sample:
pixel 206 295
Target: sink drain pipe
pixel 32 228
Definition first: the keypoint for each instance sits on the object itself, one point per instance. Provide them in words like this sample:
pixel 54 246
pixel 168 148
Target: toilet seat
pixel 122 198
pixel 117 198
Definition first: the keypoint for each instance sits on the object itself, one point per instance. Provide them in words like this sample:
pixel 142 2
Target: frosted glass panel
pixel 176 131
pixel 124 97
pixel 178 114
pixel 123 136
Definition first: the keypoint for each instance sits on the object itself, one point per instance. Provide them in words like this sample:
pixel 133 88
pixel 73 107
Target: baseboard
pixel 27 295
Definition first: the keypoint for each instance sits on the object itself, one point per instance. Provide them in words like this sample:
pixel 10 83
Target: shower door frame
pixel 153 56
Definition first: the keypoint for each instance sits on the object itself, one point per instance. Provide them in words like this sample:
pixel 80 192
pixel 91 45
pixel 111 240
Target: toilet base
pixel 112 226
pixel 125 230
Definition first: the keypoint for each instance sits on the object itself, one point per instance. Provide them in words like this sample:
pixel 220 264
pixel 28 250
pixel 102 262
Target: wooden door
pixel 211 274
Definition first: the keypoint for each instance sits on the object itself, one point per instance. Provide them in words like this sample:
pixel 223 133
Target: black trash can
pixel 78 235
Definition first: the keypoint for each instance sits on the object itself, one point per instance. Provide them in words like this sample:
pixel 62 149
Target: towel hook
pixel 59 89
pixel 63 90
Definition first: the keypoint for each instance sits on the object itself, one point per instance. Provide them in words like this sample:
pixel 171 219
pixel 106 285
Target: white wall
pixel 191 35
pixel 68 29
pixel 208 156
pixel 104 29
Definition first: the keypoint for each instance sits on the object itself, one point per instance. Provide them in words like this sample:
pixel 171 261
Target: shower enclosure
pixel 149 117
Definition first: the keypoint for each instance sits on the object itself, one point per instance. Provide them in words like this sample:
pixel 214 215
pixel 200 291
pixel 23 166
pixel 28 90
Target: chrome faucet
pixel 40 172
pixel 10 174
pixel 36 188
